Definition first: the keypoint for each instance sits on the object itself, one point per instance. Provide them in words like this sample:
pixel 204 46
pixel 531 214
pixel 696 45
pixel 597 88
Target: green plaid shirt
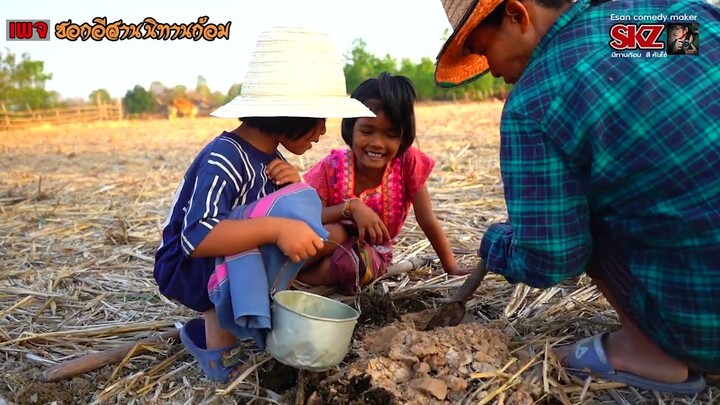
pixel 632 144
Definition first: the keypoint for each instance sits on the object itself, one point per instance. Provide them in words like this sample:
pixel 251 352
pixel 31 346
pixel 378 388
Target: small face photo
pixel 677 31
pixel 683 39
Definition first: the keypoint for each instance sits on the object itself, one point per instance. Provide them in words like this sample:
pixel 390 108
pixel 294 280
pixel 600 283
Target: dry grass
pixel 80 215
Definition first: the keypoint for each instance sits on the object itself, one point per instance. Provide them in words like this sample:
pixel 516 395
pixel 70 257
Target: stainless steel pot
pixel 310 332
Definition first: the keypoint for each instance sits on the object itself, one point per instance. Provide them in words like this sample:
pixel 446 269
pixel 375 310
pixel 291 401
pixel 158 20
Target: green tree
pixel 361 65
pixel 233 92
pixel 202 91
pixel 445 35
pixel 22 83
pixel 138 101
pixel 423 77
pixel 101 96
pixel 179 91
pixel 217 98
pixel 158 89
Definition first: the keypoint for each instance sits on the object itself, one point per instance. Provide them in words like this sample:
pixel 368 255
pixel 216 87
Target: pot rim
pixel 317 318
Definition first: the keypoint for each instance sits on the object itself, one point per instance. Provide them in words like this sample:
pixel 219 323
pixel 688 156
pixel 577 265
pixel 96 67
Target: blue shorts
pixel 184 279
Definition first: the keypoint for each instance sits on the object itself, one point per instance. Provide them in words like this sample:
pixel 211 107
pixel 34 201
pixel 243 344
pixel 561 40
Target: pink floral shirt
pixel 334 179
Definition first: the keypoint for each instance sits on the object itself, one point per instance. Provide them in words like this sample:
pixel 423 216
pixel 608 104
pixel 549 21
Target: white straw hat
pixel 294 72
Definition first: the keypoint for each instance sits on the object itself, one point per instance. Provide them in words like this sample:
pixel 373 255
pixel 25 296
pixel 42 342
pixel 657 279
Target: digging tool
pixel 453 312
pixel 94 361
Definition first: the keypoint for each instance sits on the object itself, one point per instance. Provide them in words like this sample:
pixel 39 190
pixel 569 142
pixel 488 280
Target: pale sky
pixel 403 28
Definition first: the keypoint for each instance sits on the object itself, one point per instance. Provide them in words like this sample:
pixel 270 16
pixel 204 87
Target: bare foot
pixel 638 356
pixel 215 336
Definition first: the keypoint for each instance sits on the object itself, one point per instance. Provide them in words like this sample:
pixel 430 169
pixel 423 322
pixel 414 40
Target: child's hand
pixel 282 172
pixel 370 226
pixel 458 271
pixel 298 241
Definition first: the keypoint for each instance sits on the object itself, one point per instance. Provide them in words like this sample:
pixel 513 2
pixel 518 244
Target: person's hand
pixel 282 172
pixel 677 47
pixel 459 271
pixel 370 227
pixel 298 241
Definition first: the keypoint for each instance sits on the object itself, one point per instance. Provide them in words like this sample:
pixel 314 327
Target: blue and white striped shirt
pixel 228 172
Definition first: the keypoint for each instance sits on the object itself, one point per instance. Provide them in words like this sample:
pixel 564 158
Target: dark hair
pixel 394 95
pixel 290 128
pixel 494 19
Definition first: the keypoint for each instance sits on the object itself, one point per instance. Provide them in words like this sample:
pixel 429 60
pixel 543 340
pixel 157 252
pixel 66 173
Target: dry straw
pixel 80 216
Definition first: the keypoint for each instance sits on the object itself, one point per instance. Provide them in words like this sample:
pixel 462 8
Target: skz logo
pixel 634 36
pixel 27 30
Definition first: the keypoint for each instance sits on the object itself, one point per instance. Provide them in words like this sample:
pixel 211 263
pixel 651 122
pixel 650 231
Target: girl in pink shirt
pixel 368 190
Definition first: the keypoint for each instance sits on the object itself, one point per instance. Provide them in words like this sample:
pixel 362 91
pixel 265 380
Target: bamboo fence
pixel 13 120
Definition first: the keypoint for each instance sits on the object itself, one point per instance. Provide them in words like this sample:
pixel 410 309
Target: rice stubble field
pixel 81 210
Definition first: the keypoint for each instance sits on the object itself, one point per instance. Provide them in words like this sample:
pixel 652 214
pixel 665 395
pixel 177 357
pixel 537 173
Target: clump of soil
pixel 416 302
pixel 75 391
pixel 277 377
pixel 28 388
pixel 358 390
pixel 376 309
pixel 400 364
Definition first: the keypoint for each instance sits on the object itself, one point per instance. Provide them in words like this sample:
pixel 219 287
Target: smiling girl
pixel 368 190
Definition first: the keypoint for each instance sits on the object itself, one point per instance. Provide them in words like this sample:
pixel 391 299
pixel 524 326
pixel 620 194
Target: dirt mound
pixel 400 364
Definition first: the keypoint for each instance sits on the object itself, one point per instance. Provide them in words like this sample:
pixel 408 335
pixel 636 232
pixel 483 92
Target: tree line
pixel 360 64
pixel 23 80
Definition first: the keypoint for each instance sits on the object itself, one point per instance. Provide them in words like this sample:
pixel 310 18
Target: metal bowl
pixel 310 332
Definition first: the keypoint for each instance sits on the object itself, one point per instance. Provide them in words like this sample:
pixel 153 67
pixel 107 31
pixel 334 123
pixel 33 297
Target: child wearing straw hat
pixel 368 189
pixel 609 167
pixel 224 206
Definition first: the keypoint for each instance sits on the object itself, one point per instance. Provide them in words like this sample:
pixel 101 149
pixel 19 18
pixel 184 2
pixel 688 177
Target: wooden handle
pixel 467 289
pixel 94 361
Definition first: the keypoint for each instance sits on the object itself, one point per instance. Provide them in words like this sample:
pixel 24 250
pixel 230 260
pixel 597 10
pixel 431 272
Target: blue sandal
pixel 217 364
pixel 588 357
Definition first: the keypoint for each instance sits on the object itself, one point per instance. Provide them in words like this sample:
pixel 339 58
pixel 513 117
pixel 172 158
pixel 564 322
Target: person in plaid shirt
pixel 611 166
